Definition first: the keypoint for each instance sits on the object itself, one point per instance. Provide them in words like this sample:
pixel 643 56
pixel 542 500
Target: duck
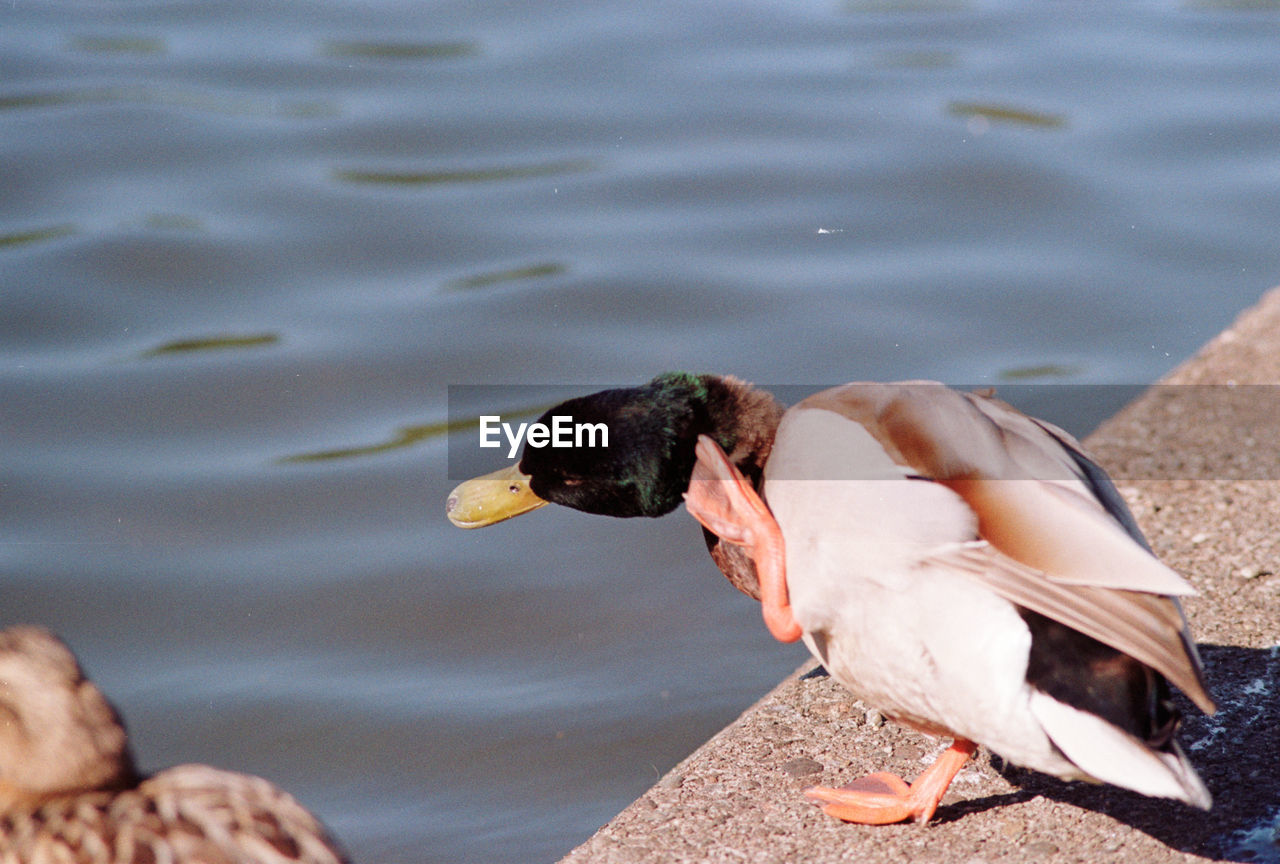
pixel 966 569
pixel 71 791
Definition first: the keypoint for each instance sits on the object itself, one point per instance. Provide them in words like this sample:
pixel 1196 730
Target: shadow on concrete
pixel 1236 751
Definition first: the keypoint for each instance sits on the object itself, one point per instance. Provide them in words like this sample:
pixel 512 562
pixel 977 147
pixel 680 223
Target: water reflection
pixel 212 343
pixel 212 103
pixel 1040 372
pixel 400 50
pixel 118 45
pixel 405 436
pixel 1007 114
pixel 476 175
pixel 494 277
pixel 36 235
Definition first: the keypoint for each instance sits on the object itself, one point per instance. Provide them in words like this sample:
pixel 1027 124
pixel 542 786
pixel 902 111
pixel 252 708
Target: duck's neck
pixel 108 775
pixel 746 422
pixel 742 420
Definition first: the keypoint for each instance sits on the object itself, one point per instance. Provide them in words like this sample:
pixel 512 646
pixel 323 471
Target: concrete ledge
pixel 1200 466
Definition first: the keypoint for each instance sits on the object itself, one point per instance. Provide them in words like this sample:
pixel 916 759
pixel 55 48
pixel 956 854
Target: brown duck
pixel 69 791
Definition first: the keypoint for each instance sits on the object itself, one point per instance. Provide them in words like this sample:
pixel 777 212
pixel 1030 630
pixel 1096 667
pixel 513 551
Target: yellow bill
pixel 491 498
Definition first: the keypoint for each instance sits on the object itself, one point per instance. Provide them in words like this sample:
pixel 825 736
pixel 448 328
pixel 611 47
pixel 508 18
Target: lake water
pixel 245 248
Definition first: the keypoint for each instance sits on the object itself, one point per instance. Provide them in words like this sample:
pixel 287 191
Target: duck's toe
pixel 877 799
pixel 882 799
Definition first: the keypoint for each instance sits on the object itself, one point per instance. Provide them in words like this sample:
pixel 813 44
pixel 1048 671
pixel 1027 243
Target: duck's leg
pixel 726 504
pixel 880 799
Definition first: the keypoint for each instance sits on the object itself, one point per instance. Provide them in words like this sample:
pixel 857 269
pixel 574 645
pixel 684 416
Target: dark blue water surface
pixel 246 247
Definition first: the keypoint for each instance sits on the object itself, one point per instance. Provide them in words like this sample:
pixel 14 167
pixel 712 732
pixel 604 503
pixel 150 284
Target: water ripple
pixel 1006 114
pixel 35 235
pixel 511 274
pixel 400 50
pixel 212 343
pixel 407 436
pixel 141 45
pixel 473 175
pixel 212 103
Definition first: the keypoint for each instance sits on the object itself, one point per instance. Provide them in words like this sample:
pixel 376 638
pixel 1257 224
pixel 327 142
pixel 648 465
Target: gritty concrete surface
pixel 1197 458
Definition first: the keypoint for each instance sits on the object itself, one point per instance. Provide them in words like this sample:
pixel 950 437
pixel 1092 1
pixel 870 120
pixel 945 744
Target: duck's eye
pixel 572 481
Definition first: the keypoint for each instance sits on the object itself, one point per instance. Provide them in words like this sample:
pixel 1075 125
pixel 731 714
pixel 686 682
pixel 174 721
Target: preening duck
pixel 69 790
pixel 966 569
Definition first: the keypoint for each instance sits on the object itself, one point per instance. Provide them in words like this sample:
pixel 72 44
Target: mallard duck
pixel 966 569
pixel 69 790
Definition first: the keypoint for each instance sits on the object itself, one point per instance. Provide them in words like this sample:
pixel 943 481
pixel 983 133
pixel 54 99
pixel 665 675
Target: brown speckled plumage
pixel 69 791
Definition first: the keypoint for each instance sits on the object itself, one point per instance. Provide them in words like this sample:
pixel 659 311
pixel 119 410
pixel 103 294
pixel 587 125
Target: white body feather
pixel 926 644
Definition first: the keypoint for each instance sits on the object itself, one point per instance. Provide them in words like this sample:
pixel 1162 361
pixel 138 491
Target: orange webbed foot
pixel 882 799
pixel 728 506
